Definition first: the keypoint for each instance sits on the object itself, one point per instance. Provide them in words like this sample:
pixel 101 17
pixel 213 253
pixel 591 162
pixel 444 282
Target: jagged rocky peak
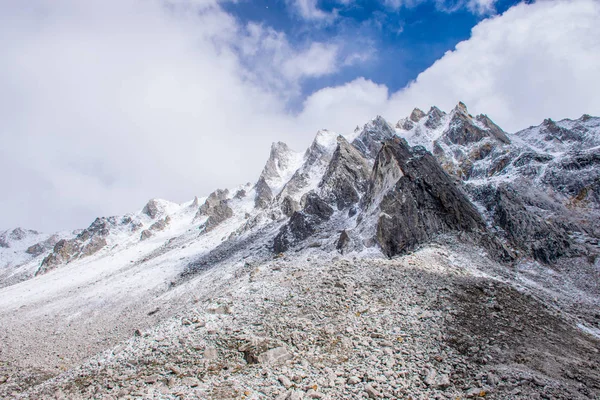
pixel 307 176
pixel 464 129
pixel 416 115
pixel 323 145
pixel 435 118
pixel 281 159
pixel 346 177
pixel 368 142
pixel 564 135
pixel 415 199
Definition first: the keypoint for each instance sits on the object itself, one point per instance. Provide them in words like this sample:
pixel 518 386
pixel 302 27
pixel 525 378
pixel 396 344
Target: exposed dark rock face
pixel 537 236
pixel 463 131
pixel 289 206
pixel 346 177
pixel 419 199
pixel 213 199
pixel 342 241
pixel 373 134
pixel 416 115
pixel 159 225
pixel 36 249
pixel 303 223
pixel 434 118
pixel 264 195
pixel 577 176
pixel 240 194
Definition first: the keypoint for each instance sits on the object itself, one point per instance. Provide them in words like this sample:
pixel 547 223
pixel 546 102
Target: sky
pixel 105 104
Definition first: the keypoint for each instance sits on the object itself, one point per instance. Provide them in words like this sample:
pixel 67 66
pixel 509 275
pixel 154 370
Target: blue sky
pixel 398 42
pixel 105 104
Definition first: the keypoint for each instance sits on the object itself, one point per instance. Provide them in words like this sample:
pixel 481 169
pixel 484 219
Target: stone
pixel 210 353
pixel 190 381
pixel 152 379
pixel 475 392
pixel 285 381
pixel 372 392
pixel 353 380
pixel 436 380
pixel 277 355
pixel 146 234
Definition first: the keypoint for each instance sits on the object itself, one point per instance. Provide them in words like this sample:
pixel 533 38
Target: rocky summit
pixel 436 257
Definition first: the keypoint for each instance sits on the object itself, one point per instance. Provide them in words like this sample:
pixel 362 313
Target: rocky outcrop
pixel 303 224
pixel 88 242
pixel 289 206
pixel 158 226
pixel 153 208
pixel 526 225
pixel 216 208
pixel 347 176
pixel 418 199
pixel 264 195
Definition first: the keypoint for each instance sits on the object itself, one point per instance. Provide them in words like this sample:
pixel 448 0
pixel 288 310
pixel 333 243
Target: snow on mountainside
pixel 417 260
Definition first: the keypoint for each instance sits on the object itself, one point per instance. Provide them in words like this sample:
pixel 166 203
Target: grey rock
pixel 146 234
pixel 369 141
pixel 152 209
pixel 285 381
pixel 274 356
pixel 436 380
pixel 264 195
pixel 346 177
pixel 217 208
pixel 289 206
pixel 190 381
pixel 419 200
pixel 303 223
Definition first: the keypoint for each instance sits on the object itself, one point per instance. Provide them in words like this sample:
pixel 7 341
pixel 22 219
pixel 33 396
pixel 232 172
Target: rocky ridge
pixel 445 229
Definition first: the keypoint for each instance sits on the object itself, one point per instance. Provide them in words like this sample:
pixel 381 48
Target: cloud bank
pixel 106 104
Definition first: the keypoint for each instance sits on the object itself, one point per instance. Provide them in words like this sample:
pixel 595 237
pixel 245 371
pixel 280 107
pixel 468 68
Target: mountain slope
pixel 443 257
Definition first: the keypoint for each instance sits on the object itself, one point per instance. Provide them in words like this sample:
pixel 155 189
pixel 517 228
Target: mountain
pixel 438 257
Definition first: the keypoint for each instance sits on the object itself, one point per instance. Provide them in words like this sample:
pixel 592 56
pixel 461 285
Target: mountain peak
pixel 416 115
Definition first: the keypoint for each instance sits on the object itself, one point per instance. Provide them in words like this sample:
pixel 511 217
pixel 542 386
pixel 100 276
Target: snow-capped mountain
pixel 521 210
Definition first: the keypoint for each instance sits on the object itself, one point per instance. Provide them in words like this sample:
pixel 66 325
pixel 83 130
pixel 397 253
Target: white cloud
pixel 104 105
pixel 478 7
pixel 308 10
pixel 318 60
pixel 535 61
pixel 279 65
